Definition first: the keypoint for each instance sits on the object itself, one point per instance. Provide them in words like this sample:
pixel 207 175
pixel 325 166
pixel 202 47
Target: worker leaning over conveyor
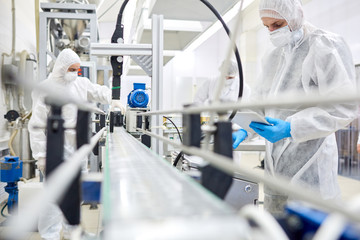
pixel 65 73
pixel 301 143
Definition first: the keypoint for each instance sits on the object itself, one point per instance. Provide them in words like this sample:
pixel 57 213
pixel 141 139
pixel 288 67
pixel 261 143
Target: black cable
pixel 175 127
pixel 178 157
pixel 2 211
pixel 117 67
pixel 237 55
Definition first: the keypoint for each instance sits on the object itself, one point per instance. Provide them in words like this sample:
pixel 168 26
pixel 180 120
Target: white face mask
pixel 281 36
pixel 70 76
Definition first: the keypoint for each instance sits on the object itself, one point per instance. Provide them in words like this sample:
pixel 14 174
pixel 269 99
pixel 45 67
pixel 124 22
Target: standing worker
pixel 230 92
pixel 301 143
pixel 65 73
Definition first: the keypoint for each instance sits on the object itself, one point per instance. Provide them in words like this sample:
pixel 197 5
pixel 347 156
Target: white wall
pixel 338 16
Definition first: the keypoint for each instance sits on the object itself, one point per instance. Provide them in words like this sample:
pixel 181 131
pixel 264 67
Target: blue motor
pixel 11 172
pixel 138 98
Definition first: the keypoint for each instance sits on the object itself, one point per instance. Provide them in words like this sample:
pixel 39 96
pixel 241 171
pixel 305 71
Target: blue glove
pixel 238 137
pixel 273 133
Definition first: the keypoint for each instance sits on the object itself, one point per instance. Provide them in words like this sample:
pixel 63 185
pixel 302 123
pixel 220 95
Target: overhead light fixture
pixel 229 15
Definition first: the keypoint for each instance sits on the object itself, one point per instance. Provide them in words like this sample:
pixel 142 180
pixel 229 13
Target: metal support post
pixel 97 124
pixel 157 79
pixel 70 204
pixel 102 121
pixel 54 140
pixel 112 121
pixel 119 119
pixel 212 178
pixel 146 139
pixel 191 130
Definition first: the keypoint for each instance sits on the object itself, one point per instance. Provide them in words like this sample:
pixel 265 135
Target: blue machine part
pixel 312 219
pixel 138 98
pixel 91 191
pixel 11 172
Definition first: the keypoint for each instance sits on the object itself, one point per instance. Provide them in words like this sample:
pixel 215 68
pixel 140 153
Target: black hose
pixel 119 18
pixel 178 157
pixel 2 211
pixel 175 127
pixel 237 55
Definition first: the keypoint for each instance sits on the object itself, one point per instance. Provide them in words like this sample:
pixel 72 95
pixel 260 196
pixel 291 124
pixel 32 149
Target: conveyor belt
pixel 146 198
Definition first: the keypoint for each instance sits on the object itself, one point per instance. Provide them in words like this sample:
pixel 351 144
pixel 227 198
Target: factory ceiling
pixel 184 21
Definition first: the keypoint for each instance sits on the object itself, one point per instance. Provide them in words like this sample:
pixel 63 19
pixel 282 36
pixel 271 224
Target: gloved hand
pixel 273 133
pixel 115 103
pixel 41 165
pixel 238 137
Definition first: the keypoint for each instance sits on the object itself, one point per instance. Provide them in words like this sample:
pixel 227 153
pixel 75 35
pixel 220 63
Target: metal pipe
pixel 37 10
pixel 280 184
pixel 22 70
pixel 56 184
pixel 289 101
pixel 13 30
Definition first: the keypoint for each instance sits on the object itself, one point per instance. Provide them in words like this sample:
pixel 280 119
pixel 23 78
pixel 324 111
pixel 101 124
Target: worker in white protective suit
pixel 301 143
pixel 230 92
pixel 65 73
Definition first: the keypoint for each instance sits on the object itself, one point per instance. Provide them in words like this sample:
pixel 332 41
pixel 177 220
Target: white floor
pixel 91 219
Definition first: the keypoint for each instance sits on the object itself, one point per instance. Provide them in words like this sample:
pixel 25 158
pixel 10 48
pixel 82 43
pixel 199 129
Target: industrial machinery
pixel 10 173
pixel 18 65
pixel 66 24
pixel 138 100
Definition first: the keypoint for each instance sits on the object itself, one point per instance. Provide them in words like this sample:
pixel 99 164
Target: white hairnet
pixel 66 58
pixel 232 69
pixel 290 10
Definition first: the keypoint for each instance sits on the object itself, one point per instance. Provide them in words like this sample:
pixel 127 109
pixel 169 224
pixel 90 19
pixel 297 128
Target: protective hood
pixel 66 58
pixel 290 10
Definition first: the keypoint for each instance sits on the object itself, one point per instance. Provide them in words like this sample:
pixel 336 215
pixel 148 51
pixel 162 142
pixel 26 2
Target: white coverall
pixel 50 221
pixel 230 93
pixel 206 91
pixel 319 62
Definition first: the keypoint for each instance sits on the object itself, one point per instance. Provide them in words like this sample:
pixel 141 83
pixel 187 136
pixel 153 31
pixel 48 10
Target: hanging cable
pixel 179 156
pixel 175 127
pixel 237 55
pixel 2 211
pixel 117 66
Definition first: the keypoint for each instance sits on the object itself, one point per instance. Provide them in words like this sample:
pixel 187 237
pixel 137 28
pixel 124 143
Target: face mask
pixel 281 36
pixel 70 76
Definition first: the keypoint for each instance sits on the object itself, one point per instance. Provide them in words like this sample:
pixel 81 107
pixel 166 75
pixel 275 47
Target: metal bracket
pixel 145 62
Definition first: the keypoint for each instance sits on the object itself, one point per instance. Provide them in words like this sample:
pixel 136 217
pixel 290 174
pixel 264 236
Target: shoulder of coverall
pixel 321 38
